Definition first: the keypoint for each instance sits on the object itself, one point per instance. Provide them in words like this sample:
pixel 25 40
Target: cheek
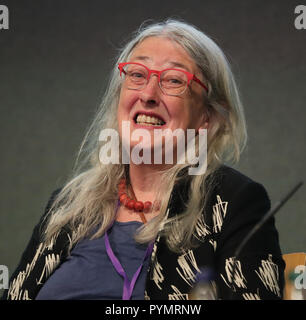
pixel 196 111
pixel 178 110
pixel 127 100
pixel 188 118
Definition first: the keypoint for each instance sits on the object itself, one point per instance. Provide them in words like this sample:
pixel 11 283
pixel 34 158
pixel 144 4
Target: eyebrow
pixel 172 63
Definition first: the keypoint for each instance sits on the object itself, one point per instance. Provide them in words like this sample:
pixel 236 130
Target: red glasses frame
pixel 189 75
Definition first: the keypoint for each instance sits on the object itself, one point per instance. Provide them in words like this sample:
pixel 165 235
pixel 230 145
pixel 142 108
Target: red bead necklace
pixel 129 203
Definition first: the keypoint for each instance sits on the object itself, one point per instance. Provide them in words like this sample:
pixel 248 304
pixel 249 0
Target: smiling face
pixel 149 107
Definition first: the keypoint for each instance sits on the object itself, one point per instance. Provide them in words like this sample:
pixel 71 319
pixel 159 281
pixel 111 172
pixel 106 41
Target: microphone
pixel 204 288
pixel 258 225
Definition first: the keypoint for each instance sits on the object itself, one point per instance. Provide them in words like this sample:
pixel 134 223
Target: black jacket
pixel 235 204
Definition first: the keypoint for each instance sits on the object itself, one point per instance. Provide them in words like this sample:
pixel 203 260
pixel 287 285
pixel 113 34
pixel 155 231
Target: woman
pixel 133 230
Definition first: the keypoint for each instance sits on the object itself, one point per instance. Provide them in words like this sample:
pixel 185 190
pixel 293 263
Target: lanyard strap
pixel 128 286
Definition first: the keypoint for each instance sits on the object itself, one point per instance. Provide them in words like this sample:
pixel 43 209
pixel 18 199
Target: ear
pixel 205 123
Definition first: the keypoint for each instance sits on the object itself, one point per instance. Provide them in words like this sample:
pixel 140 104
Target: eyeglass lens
pixel 172 82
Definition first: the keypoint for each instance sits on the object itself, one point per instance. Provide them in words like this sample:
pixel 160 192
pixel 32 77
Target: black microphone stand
pixel 257 226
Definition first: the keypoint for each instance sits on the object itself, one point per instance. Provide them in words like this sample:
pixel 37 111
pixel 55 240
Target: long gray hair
pixel 88 198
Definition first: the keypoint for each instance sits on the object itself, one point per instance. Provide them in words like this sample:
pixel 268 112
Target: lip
pixel 149 114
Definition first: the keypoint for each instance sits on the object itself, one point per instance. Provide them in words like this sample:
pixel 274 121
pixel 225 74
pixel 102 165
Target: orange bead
pixel 123 198
pixel 139 206
pixel 121 189
pixel 147 206
pixel 131 204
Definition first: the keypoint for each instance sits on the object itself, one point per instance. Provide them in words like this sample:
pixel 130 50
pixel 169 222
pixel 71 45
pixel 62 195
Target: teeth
pixel 143 119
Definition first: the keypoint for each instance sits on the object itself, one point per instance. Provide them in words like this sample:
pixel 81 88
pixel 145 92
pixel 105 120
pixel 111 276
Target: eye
pixel 175 81
pixel 136 75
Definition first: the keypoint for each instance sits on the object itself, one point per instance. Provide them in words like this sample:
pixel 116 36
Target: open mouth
pixel 143 119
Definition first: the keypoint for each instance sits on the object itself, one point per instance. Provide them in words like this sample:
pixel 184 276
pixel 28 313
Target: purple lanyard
pixel 128 286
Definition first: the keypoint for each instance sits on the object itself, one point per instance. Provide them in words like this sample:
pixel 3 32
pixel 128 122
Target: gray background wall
pixel 54 64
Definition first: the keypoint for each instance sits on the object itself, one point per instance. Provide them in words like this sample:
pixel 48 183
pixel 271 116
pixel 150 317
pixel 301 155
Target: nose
pixel 150 94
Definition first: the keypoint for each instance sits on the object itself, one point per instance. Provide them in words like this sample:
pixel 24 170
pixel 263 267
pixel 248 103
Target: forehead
pixel 162 52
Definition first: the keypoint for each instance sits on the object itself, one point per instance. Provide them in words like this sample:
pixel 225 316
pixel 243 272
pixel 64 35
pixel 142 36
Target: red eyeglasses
pixel 172 81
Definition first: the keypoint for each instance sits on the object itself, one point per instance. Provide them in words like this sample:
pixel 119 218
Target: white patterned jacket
pixel 235 204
